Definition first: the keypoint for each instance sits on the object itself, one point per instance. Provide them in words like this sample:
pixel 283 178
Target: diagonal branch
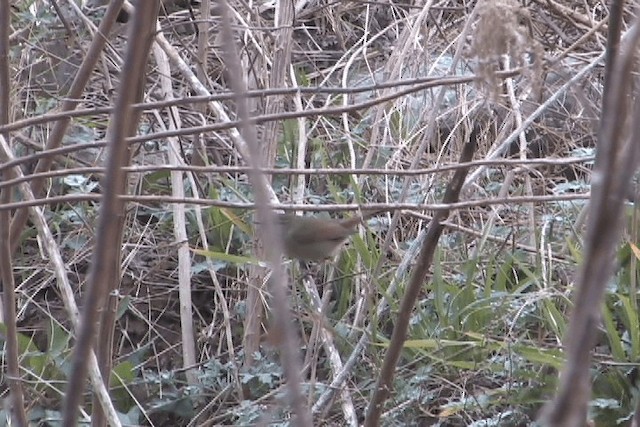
pixel 112 207
pixel 425 258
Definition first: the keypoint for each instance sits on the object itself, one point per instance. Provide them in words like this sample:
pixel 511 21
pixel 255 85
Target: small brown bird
pixel 316 239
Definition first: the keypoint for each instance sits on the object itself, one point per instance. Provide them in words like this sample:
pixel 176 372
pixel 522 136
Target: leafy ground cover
pixel 485 342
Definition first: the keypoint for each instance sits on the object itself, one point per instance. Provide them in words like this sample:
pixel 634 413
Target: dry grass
pixel 499 265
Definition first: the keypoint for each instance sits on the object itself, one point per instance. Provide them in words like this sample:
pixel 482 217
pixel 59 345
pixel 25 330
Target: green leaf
pixel 555 318
pixel 617 349
pixel 437 344
pixel 231 259
pixel 440 292
pixel 58 339
pixel 631 317
pixel 25 343
pixel 123 306
pixel 123 373
pixel 549 357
